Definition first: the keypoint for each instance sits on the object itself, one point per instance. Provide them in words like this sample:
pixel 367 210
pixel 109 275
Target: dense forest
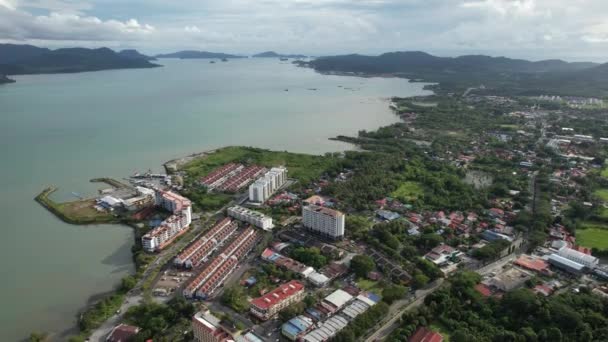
pixel 520 315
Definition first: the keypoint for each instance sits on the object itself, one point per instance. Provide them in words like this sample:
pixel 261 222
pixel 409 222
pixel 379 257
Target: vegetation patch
pixel 604 172
pixel 408 191
pixel 76 212
pixel 601 193
pixel 303 167
pixel 592 235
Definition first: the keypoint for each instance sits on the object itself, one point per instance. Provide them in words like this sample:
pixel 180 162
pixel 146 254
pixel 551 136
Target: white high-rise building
pixel 323 220
pixel 264 187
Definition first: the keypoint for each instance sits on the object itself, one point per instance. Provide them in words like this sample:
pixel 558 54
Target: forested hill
pixel 197 54
pixel 501 74
pixel 28 59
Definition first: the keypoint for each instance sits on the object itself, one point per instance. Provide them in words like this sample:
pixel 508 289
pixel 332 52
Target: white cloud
pixel 521 28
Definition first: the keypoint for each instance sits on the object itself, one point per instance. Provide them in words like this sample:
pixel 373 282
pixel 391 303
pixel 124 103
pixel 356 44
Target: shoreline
pixel 170 167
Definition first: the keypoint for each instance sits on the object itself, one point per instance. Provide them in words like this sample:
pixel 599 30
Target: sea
pixel 65 129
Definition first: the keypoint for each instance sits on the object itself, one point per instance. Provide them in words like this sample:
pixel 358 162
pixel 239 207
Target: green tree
pixel 361 265
pixel 393 292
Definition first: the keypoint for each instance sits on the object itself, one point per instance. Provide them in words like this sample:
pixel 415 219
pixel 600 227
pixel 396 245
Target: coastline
pixel 170 167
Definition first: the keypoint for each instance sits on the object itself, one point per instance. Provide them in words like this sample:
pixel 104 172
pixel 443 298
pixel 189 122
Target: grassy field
pixel 592 235
pixel 601 194
pixel 369 285
pixel 603 213
pixel 408 191
pixel 76 212
pixel 604 172
pixel 303 167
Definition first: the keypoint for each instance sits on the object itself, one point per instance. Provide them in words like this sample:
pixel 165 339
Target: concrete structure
pixel 318 279
pixel 327 222
pixel 253 217
pixel 509 280
pixel 336 300
pixel 206 328
pixel 584 259
pixel 172 227
pixel 296 327
pixel 271 303
pixel 566 264
pixel 264 187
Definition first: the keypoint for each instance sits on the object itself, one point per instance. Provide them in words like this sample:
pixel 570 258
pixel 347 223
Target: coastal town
pixel 244 244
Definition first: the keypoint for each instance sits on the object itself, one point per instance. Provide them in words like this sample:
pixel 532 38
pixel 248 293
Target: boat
pixel 224 60
pixel 212 62
pixel 284 59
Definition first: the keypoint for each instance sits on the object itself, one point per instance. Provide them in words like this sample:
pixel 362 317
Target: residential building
pixel 207 328
pixel 271 303
pixel 325 221
pixel 253 217
pixel 174 226
pixel 264 187
pixel 579 257
pixel 424 334
pixel 122 333
pixel 442 254
pixel 327 329
pixel 287 263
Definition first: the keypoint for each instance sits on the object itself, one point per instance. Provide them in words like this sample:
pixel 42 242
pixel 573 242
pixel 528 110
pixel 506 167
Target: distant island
pixel 28 59
pixel 192 54
pixel 4 79
pixel 272 54
pixel 500 75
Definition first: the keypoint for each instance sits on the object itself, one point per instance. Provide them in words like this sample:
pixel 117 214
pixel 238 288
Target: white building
pixel 265 186
pixel 253 217
pixel 579 257
pixel 323 220
pixel 174 226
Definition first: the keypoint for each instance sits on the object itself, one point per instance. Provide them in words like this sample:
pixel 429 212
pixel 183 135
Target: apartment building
pixel 325 221
pixel 174 226
pixel 206 328
pixel 261 190
pixel 252 217
pixel 271 303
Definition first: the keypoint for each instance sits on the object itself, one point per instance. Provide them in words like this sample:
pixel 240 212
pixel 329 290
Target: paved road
pixel 398 309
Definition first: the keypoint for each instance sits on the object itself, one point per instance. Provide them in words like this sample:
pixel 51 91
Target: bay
pixel 65 129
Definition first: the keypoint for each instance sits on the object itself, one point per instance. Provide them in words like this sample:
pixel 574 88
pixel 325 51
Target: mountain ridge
pixel 194 54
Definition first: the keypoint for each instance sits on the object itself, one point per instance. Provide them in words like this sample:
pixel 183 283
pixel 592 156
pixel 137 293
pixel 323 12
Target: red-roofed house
pixel 424 334
pixel 278 299
pixel 483 289
pixel 122 333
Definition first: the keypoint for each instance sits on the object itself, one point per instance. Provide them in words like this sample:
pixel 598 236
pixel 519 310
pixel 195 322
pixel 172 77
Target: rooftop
pixel 278 295
pixel 338 298
pixel 323 210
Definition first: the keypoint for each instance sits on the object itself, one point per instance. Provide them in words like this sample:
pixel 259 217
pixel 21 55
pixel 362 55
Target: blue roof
pixel 314 313
pixel 388 215
pixel 374 297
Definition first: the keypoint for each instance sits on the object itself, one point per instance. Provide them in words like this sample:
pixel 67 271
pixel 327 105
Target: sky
pixel 532 29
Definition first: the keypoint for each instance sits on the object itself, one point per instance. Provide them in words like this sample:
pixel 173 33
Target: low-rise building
pixel 271 303
pixel 424 334
pixel 566 264
pixel 296 327
pixel 442 254
pixel 336 300
pixel 122 333
pixel 250 216
pixel 579 257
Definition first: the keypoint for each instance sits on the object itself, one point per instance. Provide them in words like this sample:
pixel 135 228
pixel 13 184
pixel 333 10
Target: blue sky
pixel 535 29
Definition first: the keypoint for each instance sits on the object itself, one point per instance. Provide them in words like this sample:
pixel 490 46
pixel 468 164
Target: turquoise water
pixel 65 129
